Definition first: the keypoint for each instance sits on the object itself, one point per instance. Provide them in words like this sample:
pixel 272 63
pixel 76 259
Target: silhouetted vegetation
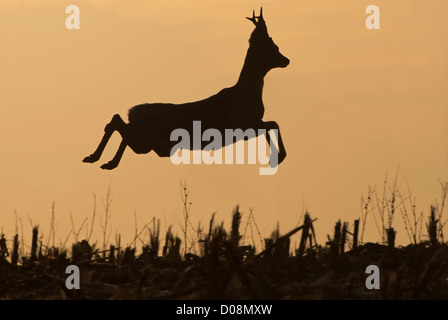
pixel 225 268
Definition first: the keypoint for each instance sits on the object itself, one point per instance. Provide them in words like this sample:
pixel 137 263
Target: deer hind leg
pixel 115 124
pixel 270 125
pixel 116 160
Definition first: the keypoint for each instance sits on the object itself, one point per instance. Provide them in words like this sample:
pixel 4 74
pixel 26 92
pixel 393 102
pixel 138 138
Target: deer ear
pixel 253 18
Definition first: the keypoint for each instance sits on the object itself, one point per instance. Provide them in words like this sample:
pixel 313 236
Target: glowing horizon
pixel 352 106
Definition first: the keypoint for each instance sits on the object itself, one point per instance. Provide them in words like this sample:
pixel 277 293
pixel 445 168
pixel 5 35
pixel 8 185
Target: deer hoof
pixel 91 159
pixel 109 166
pixel 281 157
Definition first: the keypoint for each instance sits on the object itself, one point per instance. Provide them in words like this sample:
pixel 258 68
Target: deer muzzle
pixel 283 61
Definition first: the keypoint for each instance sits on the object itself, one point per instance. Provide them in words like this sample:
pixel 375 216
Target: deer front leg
pixel 272 125
pixel 115 124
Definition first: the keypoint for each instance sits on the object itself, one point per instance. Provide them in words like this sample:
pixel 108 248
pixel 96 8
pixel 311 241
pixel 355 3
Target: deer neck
pixel 251 79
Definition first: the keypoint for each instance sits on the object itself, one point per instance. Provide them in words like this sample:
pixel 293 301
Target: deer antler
pixel 253 18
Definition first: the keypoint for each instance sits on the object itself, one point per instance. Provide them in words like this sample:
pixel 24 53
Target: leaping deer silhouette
pixel 240 106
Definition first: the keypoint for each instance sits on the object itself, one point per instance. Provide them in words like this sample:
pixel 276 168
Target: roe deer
pixel 240 106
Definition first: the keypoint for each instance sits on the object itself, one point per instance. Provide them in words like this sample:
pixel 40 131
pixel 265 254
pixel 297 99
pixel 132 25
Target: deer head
pixel 262 48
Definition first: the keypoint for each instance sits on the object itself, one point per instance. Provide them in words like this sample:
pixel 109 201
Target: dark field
pixel 221 268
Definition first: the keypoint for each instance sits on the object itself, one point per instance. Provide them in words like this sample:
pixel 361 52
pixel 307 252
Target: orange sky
pixel 352 106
